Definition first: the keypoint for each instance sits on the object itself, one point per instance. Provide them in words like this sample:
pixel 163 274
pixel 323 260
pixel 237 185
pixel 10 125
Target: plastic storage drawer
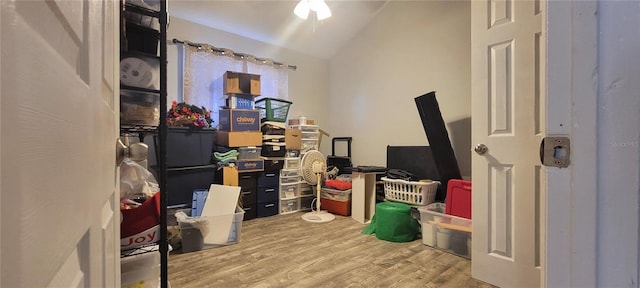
pixel 266 209
pixel 267 179
pixel 289 206
pixel 288 191
pixel 306 190
pixel 289 172
pixel 289 180
pixel 292 163
pixel 250 212
pixel 249 195
pixel 309 145
pixel 247 180
pixel 310 135
pixel 267 194
pixel 306 128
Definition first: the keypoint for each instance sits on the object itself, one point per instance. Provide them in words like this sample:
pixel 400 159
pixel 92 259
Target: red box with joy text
pixel 140 226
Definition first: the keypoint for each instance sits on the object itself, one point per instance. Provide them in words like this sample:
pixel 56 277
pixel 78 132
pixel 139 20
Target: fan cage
pixel 306 166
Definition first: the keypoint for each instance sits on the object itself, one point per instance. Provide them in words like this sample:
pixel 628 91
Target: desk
pixel 363 196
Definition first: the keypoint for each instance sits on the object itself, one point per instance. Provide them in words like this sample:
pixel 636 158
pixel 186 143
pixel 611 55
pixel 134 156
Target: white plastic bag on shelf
pixel 136 181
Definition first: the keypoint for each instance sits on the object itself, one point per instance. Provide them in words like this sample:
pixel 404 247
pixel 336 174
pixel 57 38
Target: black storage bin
pixel 142 39
pixel 187 147
pixel 273 151
pixel 273 165
pixel 182 181
pixel 266 209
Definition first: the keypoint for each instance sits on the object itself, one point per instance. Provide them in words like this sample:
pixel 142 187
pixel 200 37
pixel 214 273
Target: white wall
pixel 618 144
pixel 308 85
pixel 367 90
pixel 409 49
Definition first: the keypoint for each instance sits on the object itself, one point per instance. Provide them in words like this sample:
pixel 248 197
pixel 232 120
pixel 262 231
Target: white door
pixel 60 220
pixel 508 117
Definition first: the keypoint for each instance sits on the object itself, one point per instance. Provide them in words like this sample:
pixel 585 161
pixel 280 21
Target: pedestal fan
pixel 312 167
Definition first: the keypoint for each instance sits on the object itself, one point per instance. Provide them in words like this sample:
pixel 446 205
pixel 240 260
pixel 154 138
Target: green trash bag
pixel 393 222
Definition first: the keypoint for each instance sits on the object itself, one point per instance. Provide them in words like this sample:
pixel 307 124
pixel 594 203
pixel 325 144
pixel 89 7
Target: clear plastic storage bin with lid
pixel 249 153
pixel 443 231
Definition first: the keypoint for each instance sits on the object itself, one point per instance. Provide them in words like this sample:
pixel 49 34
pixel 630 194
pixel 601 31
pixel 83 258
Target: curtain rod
pixel 241 55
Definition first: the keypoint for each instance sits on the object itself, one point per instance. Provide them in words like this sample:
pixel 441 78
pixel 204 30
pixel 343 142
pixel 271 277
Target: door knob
pixel 121 152
pixel 481 149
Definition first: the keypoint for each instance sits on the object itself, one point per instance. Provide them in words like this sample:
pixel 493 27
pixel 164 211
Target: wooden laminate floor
pixel 286 251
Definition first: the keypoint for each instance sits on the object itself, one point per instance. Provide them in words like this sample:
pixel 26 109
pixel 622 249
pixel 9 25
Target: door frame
pixel 570 255
pixel 1 135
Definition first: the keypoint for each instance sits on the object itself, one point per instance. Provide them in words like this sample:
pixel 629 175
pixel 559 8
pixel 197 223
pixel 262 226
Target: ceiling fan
pixel 304 7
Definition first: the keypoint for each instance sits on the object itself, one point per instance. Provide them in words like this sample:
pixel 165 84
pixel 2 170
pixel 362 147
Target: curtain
pixel 274 82
pixel 203 73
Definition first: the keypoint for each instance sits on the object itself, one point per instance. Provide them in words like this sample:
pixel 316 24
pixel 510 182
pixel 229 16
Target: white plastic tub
pixel 445 232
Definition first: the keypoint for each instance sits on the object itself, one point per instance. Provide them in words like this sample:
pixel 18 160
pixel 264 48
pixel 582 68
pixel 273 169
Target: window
pixel 204 68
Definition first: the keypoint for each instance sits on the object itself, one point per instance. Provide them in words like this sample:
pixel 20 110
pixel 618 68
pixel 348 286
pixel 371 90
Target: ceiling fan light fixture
pixel 323 11
pixel 302 9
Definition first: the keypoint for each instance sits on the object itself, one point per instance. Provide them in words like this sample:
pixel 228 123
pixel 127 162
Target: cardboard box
pixel 250 165
pixel 241 83
pixel 297 122
pixel 293 139
pixel 239 120
pixel 241 101
pixel 239 139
